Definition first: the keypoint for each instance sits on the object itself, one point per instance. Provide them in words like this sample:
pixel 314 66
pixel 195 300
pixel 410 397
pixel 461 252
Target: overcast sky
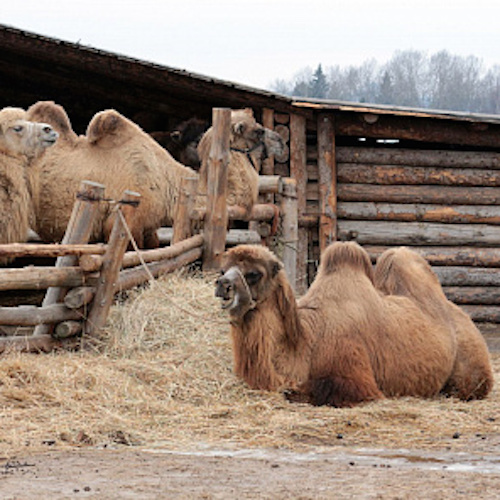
pixel 255 42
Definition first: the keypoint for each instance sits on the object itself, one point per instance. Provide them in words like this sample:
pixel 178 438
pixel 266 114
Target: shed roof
pixel 36 67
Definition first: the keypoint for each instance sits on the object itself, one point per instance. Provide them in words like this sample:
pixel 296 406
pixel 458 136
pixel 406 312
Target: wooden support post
pixel 268 164
pixel 117 244
pixel 327 180
pixel 185 204
pixel 78 231
pixel 298 170
pixel 290 228
pixel 216 219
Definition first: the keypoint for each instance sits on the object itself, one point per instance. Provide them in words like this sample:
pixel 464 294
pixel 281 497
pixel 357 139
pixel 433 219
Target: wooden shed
pixel 380 175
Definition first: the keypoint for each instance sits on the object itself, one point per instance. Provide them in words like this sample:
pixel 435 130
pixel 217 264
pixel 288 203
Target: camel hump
pixel 52 113
pixel 110 126
pixel 346 253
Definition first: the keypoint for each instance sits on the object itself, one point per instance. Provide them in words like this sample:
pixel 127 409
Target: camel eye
pixel 253 277
pixel 18 128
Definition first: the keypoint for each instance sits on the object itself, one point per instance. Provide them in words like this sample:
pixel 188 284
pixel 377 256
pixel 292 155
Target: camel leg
pixel 339 381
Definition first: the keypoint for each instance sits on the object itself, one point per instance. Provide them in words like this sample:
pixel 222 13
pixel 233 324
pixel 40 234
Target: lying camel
pixel 401 271
pixel 341 344
pixel 20 141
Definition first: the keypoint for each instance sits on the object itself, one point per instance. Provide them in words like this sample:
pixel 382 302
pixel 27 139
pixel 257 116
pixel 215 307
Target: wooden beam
pixel 443 195
pixel 327 181
pixel 48 250
pixel 414 233
pixel 416 157
pixel 298 171
pixel 216 218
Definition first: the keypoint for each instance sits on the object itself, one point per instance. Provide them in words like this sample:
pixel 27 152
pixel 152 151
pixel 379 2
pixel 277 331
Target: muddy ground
pixel 207 473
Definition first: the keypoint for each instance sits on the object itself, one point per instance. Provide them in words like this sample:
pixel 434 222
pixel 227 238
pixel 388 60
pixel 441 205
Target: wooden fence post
pixel 78 231
pixel 185 204
pixel 215 226
pixel 112 261
pixel 289 211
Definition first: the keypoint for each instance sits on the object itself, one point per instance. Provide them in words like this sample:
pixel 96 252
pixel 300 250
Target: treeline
pixel 410 78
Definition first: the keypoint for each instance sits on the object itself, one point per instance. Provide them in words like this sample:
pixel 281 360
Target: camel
pixel 119 154
pixel 343 343
pixel 182 142
pixel 403 272
pixel 250 144
pixel 115 152
pixel 20 142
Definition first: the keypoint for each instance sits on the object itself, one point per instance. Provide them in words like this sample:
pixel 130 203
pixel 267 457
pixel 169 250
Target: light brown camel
pixel 250 144
pixel 20 141
pixel 343 343
pixel 401 271
pixel 114 152
pixel 119 154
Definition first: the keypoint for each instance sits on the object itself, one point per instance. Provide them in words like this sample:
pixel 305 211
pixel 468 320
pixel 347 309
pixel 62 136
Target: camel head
pixel 247 135
pixel 18 135
pixel 248 277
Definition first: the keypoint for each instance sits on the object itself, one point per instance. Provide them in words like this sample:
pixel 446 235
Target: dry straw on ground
pixel 161 375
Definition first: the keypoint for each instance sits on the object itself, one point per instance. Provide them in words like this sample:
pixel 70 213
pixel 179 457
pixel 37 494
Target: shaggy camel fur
pixel 251 144
pixel 343 343
pixel 20 141
pixel 182 142
pixel 114 152
pixel 401 271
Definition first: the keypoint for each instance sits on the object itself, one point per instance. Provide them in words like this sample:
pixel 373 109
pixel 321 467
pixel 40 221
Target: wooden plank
pixel 41 278
pixel 485 295
pixel 418 157
pixel 31 343
pixel 414 233
pixel 468 276
pixel 117 244
pixel 136 276
pixel 216 217
pixel 443 195
pixel 78 231
pixel 184 206
pixel 363 173
pixel 471 214
pixel 483 314
pixel 290 228
pixel 298 171
pixel 48 250
pixel 431 129
pixel 449 256
pixel 327 181
pixel 32 315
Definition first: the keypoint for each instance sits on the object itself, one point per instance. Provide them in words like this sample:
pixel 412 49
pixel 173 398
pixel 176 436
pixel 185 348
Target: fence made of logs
pixel 83 283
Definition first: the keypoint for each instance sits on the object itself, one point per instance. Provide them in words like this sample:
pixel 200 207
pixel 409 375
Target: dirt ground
pixel 221 474
pixel 171 421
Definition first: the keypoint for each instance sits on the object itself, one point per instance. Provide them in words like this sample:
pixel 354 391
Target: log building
pixel 380 175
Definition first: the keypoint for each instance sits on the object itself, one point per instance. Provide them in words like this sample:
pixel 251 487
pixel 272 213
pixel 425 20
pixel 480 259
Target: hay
pixel 161 375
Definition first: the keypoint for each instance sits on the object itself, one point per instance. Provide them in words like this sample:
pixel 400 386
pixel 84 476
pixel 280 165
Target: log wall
pixel 444 204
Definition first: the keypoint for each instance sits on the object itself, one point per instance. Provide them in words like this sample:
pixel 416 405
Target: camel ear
pixel 276 268
pixel 239 128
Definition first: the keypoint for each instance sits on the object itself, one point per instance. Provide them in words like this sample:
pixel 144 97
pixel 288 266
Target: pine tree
pixel 319 84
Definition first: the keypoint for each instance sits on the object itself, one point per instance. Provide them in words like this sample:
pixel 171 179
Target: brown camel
pixel 341 344
pixel 401 271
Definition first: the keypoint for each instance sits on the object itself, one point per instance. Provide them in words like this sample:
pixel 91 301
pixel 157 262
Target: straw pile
pixel 161 375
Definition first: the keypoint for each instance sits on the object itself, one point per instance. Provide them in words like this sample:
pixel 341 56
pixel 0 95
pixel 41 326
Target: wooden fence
pixel 86 277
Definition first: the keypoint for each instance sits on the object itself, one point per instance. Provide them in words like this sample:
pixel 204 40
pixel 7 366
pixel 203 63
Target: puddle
pixel 398 459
